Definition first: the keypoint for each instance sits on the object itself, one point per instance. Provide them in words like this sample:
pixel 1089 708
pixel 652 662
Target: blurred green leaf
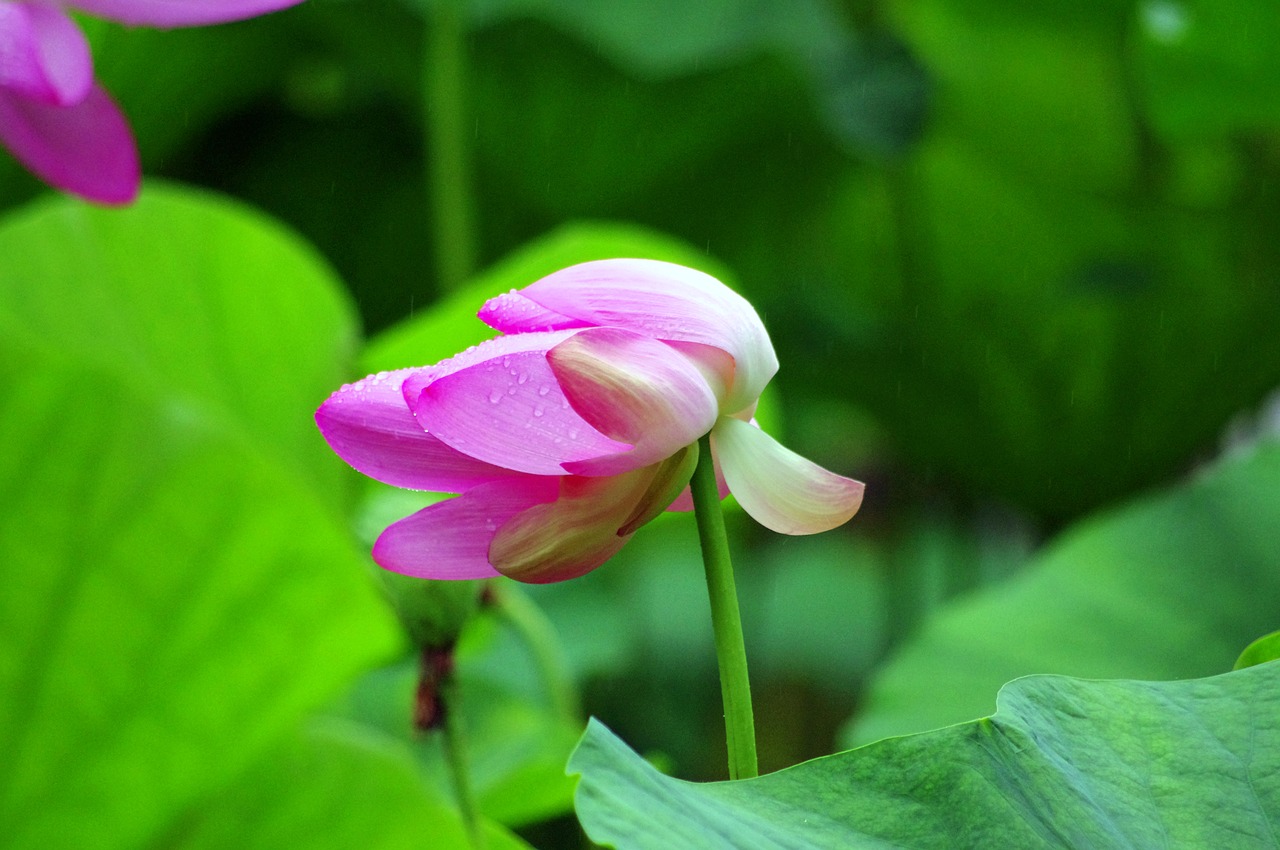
pixel 1064 763
pixel 664 38
pixel 209 73
pixel 1208 69
pixel 179 590
pixel 1039 88
pixel 572 136
pixel 1051 349
pixel 1169 587
pixel 289 799
pixel 188 296
pixel 451 325
pixel 1262 650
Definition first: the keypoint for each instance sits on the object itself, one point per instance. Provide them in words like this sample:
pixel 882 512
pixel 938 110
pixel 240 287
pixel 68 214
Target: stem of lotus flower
pixel 731 650
pixel 449 166
pixel 540 638
pixel 455 755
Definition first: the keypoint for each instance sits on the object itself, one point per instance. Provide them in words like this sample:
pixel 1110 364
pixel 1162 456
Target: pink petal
pixel 486 352
pixel 587 524
pixel 86 149
pixel 671 303
pixel 369 425
pixel 505 407
pixel 513 313
pixel 780 489
pixel 450 539
pixel 43 54
pixel 636 390
pixel 178 13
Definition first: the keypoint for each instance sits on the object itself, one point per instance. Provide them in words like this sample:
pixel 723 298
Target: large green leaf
pixel 187 296
pixel 290 797
pixel 178 593
pixel 1063 763
pixel 1173 586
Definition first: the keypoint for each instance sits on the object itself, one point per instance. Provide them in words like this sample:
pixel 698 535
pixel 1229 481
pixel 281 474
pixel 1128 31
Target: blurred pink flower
pixel 578 425
pixel 54 118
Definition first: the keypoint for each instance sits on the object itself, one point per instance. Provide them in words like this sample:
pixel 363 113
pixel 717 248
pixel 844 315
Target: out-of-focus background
pixel 1021 263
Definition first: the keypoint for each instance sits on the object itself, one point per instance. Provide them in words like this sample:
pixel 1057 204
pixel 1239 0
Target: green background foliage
pixel 1020 263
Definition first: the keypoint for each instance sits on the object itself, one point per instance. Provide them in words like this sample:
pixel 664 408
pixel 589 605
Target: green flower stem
pixel 455 756
pixel 449 165
pixel 539 637
pixel 731 651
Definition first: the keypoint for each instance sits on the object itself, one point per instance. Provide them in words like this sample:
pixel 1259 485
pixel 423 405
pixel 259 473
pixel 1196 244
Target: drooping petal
pixel 505 407
pixel 451 539
pixel 633 389
pixel 667 302
pixel 369 425
pixel 780 489
pixel 43 54
pixel 512 313
pixel 86 149
pixel 178 13
pixel 585 526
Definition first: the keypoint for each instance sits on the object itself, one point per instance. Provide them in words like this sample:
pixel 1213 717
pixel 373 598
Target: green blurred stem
pixel 731 651
pixel 455 756
pixel 449 166
pixel 539 636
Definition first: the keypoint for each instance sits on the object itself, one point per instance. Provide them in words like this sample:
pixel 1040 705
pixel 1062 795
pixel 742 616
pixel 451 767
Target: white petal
pixel 780 489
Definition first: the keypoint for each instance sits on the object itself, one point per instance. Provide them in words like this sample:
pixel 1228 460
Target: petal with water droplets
pixel 505 407
pixel 369 425
pixel 512 313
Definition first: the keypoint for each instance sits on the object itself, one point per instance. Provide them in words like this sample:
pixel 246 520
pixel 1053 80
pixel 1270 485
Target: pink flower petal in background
pixel 634 389
pixel 369 425
pixel 178 13
pixel 667 302
pixel 43 54
pixel 780 489
pixel 450 539
pixel 86 149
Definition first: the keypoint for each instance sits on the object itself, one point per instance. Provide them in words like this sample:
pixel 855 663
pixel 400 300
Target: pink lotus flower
pixel 578 425
pixel 54 118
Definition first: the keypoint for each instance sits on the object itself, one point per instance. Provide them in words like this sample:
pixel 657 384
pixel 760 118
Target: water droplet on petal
pixel 544 389
pixel 495 396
